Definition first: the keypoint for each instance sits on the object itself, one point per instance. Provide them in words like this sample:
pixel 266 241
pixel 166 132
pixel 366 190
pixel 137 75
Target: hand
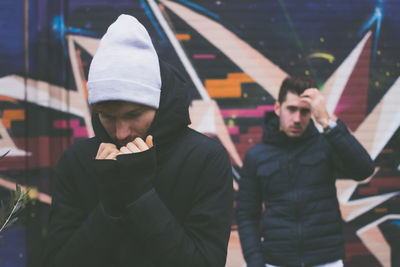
pixel 137 145
pixel 107 151
pixel 314 98
pixel 123 181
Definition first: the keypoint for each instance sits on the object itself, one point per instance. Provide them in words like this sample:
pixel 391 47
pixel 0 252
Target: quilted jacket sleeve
pixel 349 157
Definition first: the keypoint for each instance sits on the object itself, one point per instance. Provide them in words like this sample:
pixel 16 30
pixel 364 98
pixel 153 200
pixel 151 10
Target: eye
pixel 106 116
pixel 305 112
pixel 292 109
pixel 133 114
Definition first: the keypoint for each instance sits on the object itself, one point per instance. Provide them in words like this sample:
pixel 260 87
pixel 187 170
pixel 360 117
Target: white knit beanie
pixel 125 66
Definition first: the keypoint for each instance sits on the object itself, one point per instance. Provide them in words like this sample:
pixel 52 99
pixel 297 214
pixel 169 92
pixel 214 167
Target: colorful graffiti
pixel 236 54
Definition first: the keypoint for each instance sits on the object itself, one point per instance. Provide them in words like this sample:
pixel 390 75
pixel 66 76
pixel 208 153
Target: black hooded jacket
pixel 182 219
pixel 295 179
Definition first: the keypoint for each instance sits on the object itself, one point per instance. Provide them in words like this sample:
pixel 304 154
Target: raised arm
pixel 349 157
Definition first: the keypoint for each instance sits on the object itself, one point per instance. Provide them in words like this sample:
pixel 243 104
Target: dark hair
pixel 296 85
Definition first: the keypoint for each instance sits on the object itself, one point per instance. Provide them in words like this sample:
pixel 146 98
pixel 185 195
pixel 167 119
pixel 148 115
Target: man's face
pixel 294 115
pixel 124 121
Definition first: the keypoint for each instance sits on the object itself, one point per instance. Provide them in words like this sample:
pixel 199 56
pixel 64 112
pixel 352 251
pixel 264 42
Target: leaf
pixel 18 201
pixel 17 206
pixel 5 154
pixel 11 222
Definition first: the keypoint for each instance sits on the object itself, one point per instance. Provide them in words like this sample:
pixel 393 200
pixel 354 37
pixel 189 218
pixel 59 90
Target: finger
pixel 306 100
pixel 306 94
pixel 108 150
pixel 140 144
pixel 310 92
pixel 132 147
pixel 125 150
pixel 103 146
pixel 112 155
pixel 149 141
pixel 104 153
pixel 100 150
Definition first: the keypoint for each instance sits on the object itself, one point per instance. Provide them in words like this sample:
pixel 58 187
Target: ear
pixel 277 108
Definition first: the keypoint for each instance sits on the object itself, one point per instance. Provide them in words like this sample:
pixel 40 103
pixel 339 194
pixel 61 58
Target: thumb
pixel 149 141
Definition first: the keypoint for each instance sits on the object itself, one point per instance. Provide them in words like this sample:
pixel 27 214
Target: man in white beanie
pixel 146 190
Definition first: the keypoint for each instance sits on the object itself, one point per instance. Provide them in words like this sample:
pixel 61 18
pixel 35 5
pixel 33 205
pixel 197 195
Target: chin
pixel 295 135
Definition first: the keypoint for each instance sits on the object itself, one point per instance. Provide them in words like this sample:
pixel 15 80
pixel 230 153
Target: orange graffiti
pixel 229 87
pixel 182 37
pixel 10 115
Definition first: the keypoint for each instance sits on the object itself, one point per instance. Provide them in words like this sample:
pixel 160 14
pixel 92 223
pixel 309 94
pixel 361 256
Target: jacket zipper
pixel 298 209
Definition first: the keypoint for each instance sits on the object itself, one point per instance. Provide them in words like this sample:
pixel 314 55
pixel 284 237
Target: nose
pixel 297 116
pixel 122 129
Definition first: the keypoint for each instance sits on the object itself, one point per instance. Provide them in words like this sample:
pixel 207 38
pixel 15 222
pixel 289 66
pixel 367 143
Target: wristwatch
pixel 331 124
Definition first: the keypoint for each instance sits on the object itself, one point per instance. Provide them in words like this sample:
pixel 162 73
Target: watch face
pixel 332 124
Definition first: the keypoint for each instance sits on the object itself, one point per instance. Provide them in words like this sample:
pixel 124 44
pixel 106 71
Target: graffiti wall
pixel 236 54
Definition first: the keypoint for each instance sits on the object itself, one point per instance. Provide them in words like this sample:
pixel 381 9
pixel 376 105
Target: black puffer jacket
pixel 183 220
pixel 295 180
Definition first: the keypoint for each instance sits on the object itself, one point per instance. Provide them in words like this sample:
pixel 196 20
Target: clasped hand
pixel 110 151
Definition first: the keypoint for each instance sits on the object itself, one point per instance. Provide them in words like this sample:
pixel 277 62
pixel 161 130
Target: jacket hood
pixel 171 117
pixel 272 135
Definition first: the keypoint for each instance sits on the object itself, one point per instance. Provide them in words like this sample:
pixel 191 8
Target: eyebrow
pixel 296 107
pixel 292 106
pixel 139 109
pixel 105 111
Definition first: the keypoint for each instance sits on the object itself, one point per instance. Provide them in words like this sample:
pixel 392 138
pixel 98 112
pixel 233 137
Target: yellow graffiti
pixel 326 56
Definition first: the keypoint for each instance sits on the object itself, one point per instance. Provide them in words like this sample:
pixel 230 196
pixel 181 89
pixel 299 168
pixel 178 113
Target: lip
pixel 295 129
